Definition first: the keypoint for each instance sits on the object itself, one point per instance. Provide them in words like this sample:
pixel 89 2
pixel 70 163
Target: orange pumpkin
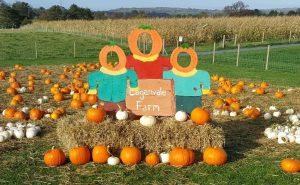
pixel 12 80
pixel 14 102
pixel 251 85
pixel 48 81
pixel 184 49
pixel 279 94
pixel 95 115
pixel 235 106
pixel 121 64
pixel 80 155
pixel 18 98
pixel 54 90
pixel 15 85
pixel 210 92
pixel 219 103
pixel 214 156
pixel 20 115
pixel 54 157
pixel 58 97
pixel 100 154
pixel 157 44
pixel 93 98
pixel 31 83
pixel 181 157
pixel 260 91
pixel 264 85
pixel 290 165
pixel 13 74
pixel 9 112
pixel 65 90
pixel 130 155
pixel 30 88
pixel 76 104
pixel 200 116
pixel 241 83
pixel 221 91
pixel 236 89
pixel 63 76
pixel 36 114
pixel 31 78
pixel 2 78
pixel 11 91
pixel 152 159
pixel 84 97
pixel 215 77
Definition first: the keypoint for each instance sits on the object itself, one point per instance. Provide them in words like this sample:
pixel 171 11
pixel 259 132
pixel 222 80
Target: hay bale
pixel 74 130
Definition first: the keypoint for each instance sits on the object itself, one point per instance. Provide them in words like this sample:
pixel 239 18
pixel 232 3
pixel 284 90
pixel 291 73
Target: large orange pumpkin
pixel 100 154
pixel 181 157
pixel 9 112
pixel 184 49
pixel 18 98
pixel 130 155
pixel 235 106
pixel 290 165
pixel 36 114
pixel 200 116
pixel 95 115
pixel 152 159
pixel 80 155
pixel 157 43
pixel 58 97
pixel 121 55
pixel 214 156
pixel 19 115
pixel 76 104
pixel 279 94
pixel 264 84
pixel 54 157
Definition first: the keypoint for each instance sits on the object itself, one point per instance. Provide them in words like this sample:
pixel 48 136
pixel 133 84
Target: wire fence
pixel 285 58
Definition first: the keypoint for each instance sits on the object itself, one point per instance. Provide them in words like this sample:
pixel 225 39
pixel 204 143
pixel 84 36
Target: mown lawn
pixel 252 159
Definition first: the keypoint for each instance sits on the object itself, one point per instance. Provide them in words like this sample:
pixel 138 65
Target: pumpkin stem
pixel 185 45
pixel 145 27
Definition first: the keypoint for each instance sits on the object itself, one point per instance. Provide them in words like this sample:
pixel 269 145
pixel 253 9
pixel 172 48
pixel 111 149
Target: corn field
pixel 246 29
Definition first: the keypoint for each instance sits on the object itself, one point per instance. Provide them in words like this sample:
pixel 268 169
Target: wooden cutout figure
pixel 151 65
pixel 110 83
pixel 190 83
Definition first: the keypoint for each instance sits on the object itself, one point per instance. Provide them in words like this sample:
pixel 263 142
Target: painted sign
pixel 153 98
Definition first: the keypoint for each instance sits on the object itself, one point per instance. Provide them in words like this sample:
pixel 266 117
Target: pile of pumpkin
pixel 226 107
pixel 18 131
pixel 178 156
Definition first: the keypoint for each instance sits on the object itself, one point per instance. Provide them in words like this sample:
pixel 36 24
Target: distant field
pixel 199 30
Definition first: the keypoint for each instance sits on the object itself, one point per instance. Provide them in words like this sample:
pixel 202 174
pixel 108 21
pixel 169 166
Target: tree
pixel 9 18
pixel 298 11
pixel 99 15
pixel 54 13
pixel 291 13
pixel 236 9
pixel 273 13
pixel 76 12
pixel 24 9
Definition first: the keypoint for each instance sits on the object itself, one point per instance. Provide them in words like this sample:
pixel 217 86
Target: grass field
pixel 252 158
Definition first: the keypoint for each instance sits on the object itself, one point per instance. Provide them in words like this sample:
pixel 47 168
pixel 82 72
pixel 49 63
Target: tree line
pixel 21 13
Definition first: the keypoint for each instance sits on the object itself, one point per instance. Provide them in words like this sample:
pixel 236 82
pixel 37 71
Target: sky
pixel 199 4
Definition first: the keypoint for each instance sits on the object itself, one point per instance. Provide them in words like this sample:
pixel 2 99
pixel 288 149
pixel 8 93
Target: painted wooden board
pixel 153 98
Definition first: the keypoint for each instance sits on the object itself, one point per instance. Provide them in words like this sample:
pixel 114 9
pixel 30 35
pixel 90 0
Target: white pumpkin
pixel 22 90
pixel 148 121
pixel 253 90
pixel 40 101
pixel 282 138
pixel 164 157
pixel 277 114
pixel 31 132
pixel 11 133
pixel 289 111
pixel 113 161
pixel 2 139
pixel 268 131
pixel 47 116
pixel 297 140
pixel 1 129
pixel 30 125
pixel 5 134
pixel 25 110
pixel 272 135
pixel 121 115
pixel 72 93
pixel 233 114
pixel 50 110
pixel 257 108
pixel 291 138
pixel 293 118
pixel 298 115
pixel 225 113
pixel 3 112
pixel 216 112
pixel 95 106
pixel 267 116
pixel 273 108
pixel 45 99
pixel 19 134
pixel 181 116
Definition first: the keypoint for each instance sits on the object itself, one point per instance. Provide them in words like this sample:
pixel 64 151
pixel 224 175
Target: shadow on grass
pixel 242 136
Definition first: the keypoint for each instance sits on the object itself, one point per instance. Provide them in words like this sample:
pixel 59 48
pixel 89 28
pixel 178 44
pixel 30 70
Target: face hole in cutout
pixel 145 43
pixel 112 59
pixel 184 60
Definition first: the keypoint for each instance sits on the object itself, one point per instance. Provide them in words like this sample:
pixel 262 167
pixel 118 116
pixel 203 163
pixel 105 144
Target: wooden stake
pixel 238 56
pixel 263 37
pixel 223 44
pixel 74 49
pixel 290 37
pixel 194 45
pixel 235 39
pixel 267 61
pixel 214 53
pixel 36 50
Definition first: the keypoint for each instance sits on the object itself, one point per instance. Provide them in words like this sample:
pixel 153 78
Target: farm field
pixel 252 158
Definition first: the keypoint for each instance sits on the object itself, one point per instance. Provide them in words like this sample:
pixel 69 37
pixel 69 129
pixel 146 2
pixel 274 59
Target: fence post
pixel 214 53
pixel 263 37
pixel 164 49
pixel 223 44
pixel 195 46
pixel 268 54
pixel 238 56
pixel 235 39
pixel 177 42
pixel 36 50
pixel 290 36
pixel 74 49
